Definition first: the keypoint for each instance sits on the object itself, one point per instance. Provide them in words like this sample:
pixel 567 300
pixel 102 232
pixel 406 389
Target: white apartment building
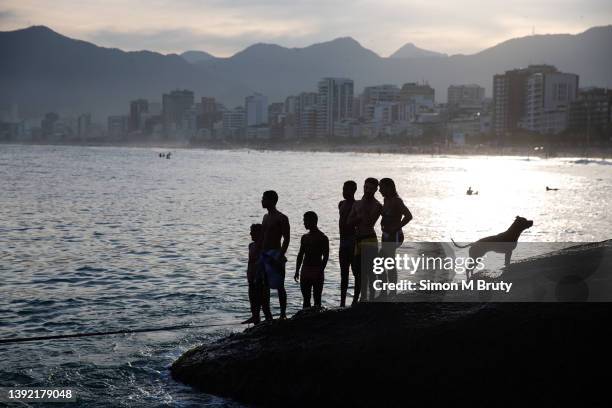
pixel 547 100
pixel 335 103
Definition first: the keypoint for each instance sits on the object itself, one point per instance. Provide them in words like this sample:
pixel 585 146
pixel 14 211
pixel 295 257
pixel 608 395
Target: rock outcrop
pixel 388 354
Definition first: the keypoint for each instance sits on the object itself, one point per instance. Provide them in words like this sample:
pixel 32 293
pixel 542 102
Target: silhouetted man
pixel 347 240
pixel 395 216
pixel 312 259
pixel 275 227
pixel 363 216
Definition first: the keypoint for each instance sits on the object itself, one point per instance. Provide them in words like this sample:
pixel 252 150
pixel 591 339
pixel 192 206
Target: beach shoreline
pixel 596 153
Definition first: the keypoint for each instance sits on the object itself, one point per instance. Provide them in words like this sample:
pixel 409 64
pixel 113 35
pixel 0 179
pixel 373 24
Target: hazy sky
pixel 223 27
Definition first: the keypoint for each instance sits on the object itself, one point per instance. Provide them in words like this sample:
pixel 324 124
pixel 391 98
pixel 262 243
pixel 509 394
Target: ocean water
pixel 109 238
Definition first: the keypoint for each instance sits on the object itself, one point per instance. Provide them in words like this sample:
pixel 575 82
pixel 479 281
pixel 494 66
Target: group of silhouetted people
pixel 359 245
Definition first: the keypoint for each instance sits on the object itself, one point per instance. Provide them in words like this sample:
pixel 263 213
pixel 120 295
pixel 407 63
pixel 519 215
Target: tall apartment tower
pixel 138 108
pixel 509 95
pixel 256 108
pixel 547 101
pixel 335 103
pixel 174 106
pixel 208 113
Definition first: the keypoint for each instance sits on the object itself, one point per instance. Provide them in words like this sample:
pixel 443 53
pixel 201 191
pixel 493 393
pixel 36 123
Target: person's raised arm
pixel 285 233
pixel 300 258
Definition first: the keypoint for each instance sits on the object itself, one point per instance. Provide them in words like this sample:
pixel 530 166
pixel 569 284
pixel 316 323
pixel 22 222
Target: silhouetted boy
pixel 312 259
pixel 257 287
pixel 347 239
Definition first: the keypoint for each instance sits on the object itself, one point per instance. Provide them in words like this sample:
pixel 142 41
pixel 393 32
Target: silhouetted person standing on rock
pixel 395 215
pixel 312 259
pixel 275 227
pixel 259 293
pixel 363 216
pixel 347 240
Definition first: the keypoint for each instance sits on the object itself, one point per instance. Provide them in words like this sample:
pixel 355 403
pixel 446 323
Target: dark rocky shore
pixel 389 354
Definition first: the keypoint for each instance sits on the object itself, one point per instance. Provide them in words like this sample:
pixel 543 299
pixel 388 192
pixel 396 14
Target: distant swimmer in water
pixel 275 228
pixel 551 189
pixel 471 192
pixel 311 261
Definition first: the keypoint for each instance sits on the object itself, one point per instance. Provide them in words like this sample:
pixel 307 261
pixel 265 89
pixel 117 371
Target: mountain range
pixel 42 70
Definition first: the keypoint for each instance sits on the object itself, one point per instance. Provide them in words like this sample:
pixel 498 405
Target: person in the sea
pixel 395 216
pixel 259 293
pixel 363 216
pixel 275 228
pixel 347 240
pixel 311 261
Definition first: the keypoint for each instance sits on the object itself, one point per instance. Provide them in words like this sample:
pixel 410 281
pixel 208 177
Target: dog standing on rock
pixel 502 243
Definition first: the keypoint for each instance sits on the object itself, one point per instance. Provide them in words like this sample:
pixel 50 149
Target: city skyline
pixel 224 28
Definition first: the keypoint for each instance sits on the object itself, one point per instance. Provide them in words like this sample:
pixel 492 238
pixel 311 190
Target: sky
pixel 224 27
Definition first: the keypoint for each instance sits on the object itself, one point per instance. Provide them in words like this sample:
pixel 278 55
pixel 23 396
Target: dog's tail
pixel 460 246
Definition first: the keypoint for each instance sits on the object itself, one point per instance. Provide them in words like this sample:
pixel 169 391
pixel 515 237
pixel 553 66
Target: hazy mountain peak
pixel 343 45
pixel 194 56
pixel 409 50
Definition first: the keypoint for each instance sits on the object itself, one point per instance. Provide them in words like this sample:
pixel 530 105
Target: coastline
pixel 594 153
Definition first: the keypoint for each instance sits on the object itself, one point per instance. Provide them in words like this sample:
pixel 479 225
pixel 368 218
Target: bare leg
pixel 265 301
pixel 318 291
pixel 306 288
pixel 254 299
pixel 358 278
pixel 282 299
pixel 345 264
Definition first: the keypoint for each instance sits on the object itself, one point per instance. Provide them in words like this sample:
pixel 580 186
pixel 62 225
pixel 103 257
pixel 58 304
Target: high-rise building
pixel 374 94
pixel 234 121
pixel 547 100
pixel 256 108
pixel 509 93
pixel 465 96
pixel 275 111
pixel 422 96
pixel 138 108
pixel 174 106
pixel 591 113
pixel 83 125
pixel 299 107
pixel 385 113
pixel 117 125
pixel 48 124
pixel 335 103
pixel 209 114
